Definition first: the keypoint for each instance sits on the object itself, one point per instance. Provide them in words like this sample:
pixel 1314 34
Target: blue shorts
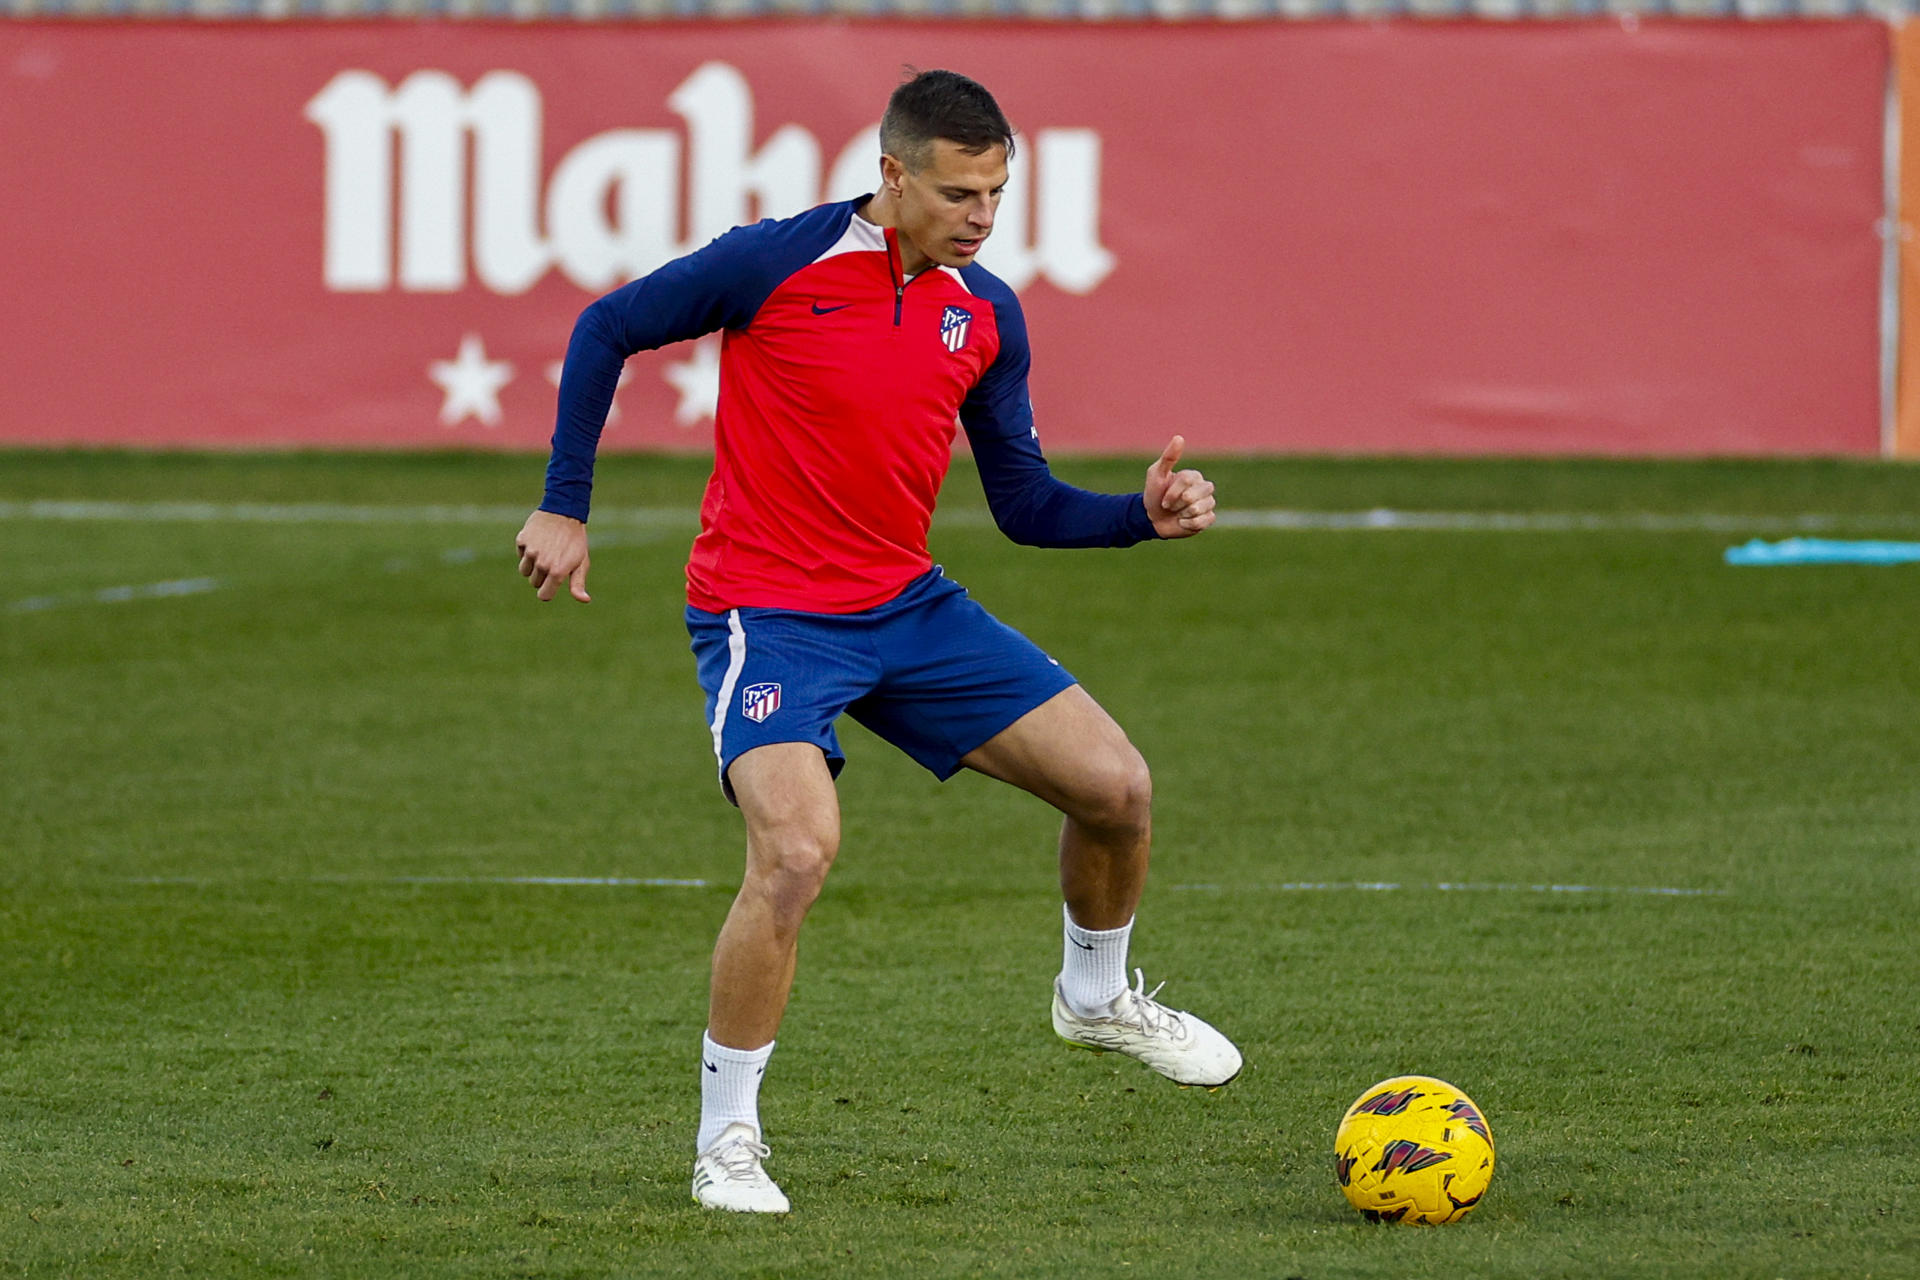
pixel 930 671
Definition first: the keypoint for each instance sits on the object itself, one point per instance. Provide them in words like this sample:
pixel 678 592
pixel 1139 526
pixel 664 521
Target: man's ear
pixel 892 174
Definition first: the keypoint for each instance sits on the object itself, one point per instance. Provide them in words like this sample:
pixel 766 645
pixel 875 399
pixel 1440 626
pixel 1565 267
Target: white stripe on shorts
pixel 736 659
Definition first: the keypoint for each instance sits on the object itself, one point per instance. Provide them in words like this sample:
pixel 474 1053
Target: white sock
pixel 1093 967
pixel 729 1088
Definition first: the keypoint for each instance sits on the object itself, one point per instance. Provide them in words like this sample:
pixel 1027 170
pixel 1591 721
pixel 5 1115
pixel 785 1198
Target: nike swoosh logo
pixel 709 1066
pixel 1084 946
pixel 821 311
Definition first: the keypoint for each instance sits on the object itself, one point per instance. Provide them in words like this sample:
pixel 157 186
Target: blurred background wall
pixel 1497 227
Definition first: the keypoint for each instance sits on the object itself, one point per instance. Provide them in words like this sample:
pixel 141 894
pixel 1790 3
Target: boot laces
pixel 1149 1014
pixel 740 1160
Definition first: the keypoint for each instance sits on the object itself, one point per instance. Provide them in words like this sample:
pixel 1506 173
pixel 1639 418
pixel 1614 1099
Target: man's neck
pixel 880 211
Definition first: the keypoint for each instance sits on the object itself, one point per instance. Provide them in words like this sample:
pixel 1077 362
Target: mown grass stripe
pixel 1389 886
pixel 1380 519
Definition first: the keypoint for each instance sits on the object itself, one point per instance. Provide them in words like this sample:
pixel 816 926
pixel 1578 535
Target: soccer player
pixel 855 333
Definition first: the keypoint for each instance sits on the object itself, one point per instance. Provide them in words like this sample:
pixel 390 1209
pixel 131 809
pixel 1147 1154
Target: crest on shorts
pixel 955 324
pixel 758 701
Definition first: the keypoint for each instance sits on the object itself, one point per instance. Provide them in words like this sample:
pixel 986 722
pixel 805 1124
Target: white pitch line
pixel 1384 519
pixel 1448 886
pixel 317 513
pixel 117 595
pixel 615 882
pixel 664 882
pixel 1380 519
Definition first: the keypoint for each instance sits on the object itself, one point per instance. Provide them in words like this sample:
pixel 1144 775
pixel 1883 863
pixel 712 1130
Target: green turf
pixel 235 1040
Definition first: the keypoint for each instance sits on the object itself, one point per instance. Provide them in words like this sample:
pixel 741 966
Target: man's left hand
pixel 1180 503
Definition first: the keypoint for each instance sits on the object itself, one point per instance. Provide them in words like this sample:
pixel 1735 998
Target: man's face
pixel 946 209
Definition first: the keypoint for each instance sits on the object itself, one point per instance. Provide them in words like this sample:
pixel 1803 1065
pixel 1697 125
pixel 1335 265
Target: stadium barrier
pixel 1648 237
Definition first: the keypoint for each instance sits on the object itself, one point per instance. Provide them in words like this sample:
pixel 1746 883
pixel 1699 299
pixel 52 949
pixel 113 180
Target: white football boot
pixel 728 1174
pixel 1178 1045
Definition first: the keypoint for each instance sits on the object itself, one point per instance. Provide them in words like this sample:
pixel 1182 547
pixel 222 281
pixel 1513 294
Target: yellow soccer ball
pixel 1413 1149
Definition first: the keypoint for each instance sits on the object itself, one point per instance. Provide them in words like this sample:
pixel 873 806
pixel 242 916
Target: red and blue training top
pixel 840 382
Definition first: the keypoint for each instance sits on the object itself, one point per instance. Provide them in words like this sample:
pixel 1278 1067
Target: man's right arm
pixel 719 287
pixel 689 297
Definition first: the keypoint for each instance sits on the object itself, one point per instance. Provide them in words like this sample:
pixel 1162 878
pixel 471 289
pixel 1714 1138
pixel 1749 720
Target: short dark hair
pixel 941 104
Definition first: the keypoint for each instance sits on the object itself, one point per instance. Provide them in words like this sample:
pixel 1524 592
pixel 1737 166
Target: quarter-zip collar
pixel 898 271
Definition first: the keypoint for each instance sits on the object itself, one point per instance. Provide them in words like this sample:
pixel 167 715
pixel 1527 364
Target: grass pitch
pixel 277 999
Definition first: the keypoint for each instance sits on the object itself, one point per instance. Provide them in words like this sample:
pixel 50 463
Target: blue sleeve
pixel 1029 504
pixel 719 287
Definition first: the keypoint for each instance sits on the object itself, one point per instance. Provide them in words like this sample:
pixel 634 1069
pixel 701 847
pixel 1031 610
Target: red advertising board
pixel 1906 434
pixel 1542 237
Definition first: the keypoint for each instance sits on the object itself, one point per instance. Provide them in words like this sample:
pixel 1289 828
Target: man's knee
pixel 788 866
pixel 1117 792
pixel 793 824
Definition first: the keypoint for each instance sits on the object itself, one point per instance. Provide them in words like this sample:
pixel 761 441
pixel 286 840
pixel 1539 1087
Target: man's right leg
pixel 792 814
pixel 792 811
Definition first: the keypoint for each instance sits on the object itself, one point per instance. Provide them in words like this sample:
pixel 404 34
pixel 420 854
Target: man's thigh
pixel 955 676
pixel 1068 751
pixel 786 794
pixel 776 676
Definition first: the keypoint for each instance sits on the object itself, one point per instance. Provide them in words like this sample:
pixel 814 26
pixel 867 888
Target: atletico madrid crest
pixel 758 701
pixel 954 326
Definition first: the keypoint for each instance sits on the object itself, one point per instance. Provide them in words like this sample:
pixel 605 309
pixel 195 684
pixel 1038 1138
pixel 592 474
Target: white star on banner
pixel 613 408
pixel 472 384
pixel 697 379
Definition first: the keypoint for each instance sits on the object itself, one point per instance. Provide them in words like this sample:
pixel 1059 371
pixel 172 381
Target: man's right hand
pixel 553 550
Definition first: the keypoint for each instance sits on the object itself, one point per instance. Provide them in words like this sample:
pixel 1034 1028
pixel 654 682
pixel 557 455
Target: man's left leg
pixel 1070 753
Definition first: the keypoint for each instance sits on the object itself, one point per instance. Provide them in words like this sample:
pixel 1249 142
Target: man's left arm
pixel 1029 503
